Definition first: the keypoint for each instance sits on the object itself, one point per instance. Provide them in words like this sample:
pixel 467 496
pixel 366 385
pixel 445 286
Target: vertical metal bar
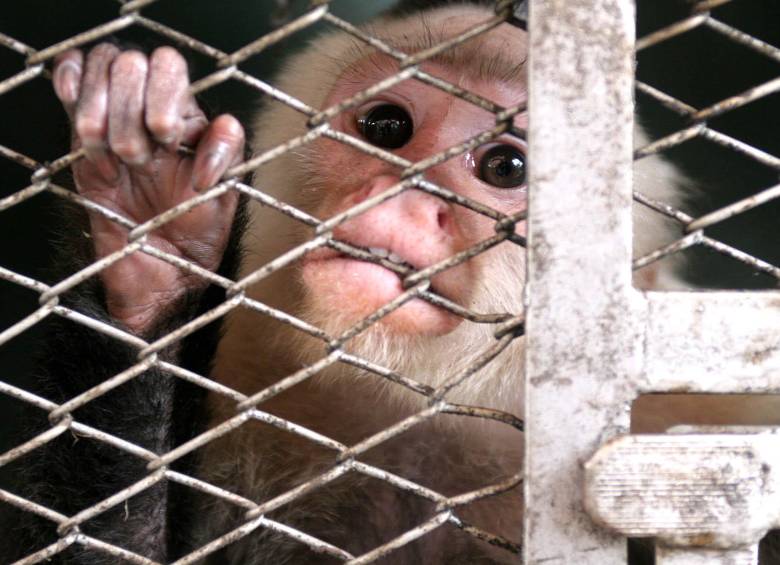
pixel 583 343
pixel 701 556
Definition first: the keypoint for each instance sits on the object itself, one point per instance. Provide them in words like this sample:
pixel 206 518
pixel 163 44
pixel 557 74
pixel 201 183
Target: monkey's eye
pixel 503 166
pixel 387 126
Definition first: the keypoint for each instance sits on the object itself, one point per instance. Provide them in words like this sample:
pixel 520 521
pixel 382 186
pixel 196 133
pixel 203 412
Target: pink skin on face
pixel 131 112
pixel 420 228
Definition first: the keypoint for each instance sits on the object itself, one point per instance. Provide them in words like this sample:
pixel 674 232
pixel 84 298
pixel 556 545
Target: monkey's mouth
pixel 352 285
pixel 395 260
pixel 381 256
pixel 363 261
pixel 392 257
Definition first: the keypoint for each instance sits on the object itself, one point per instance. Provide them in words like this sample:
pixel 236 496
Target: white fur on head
pixel 309 76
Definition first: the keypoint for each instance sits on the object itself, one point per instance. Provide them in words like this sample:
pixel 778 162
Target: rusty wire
pixel 509 324
pixel 417 284
pixel 697 127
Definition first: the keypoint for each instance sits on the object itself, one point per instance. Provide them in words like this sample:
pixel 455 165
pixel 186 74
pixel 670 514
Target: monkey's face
pixel 416 229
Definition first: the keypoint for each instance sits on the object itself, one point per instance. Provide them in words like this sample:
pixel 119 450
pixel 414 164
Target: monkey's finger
pixel 166 92
pixel 220 147
pixel 127 135
pixel 90 119
pixel 195 122
pixel 68 68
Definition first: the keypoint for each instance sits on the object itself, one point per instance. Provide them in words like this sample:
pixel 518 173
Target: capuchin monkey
pixel 132 114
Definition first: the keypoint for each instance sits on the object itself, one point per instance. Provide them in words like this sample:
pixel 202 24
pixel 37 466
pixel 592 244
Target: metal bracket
pixel 697 493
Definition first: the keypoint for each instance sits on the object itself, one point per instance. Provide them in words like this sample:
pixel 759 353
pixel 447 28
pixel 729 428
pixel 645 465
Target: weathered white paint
pixel 594 342
pixel 677 556
pixel 583 343
pixel 713 490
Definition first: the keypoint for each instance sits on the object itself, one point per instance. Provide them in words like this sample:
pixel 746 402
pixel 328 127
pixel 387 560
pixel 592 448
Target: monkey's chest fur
pixel 351 509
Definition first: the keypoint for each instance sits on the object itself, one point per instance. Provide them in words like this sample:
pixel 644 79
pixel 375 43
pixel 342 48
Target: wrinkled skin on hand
pixel 131 113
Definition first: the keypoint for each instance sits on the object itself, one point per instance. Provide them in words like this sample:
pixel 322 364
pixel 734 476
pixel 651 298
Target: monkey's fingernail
pixel 66 81
pixel 211 166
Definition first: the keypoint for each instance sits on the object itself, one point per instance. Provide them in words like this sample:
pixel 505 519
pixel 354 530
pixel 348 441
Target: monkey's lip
pixel 353 289
pixel 389 268
pixel 390 260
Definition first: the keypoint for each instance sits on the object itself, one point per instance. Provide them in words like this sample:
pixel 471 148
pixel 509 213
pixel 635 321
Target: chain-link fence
pixel 692 491
pixel 228 496
pixel 697 37
pixel 455 478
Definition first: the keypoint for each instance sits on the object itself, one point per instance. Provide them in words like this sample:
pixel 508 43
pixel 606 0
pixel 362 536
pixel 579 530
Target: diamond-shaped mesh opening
pixel 310 427
pixel 237 485
pixel 711 88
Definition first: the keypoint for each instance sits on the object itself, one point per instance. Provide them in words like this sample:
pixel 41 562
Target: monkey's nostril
pixel 442 219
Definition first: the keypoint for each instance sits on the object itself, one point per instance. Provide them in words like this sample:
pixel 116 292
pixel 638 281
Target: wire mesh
pixel 699 123
pixel 507 326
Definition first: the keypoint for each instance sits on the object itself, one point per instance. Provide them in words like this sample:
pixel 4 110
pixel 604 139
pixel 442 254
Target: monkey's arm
pixel 155 411
pixel 130 113
pixel 72 473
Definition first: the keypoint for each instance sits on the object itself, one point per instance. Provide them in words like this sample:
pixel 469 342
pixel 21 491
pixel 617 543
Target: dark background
pixel 32 122
pixel 699 68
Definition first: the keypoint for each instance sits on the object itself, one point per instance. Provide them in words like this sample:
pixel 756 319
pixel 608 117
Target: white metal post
pixel 594 343
pixel 582 337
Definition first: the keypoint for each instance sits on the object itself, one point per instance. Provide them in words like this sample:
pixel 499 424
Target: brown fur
pixel 449 454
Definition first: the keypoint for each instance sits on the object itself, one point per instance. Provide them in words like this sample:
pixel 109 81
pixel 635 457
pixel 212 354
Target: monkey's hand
pixel 131 113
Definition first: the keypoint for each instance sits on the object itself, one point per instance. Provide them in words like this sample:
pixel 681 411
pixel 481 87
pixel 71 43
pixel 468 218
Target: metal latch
pixel 706 497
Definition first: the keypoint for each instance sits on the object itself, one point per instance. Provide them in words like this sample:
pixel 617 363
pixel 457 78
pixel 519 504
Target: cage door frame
pixel 594 342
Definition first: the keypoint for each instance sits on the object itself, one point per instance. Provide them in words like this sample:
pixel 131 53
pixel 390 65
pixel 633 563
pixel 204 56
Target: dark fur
pixel 158 412
pixel 405 7
pixel 155 411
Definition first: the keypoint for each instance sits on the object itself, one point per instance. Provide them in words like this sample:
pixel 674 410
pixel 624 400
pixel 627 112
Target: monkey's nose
pixel 374 187
pixel 410 211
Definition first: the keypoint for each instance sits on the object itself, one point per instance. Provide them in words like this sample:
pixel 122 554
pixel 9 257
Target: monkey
pixel 132 113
